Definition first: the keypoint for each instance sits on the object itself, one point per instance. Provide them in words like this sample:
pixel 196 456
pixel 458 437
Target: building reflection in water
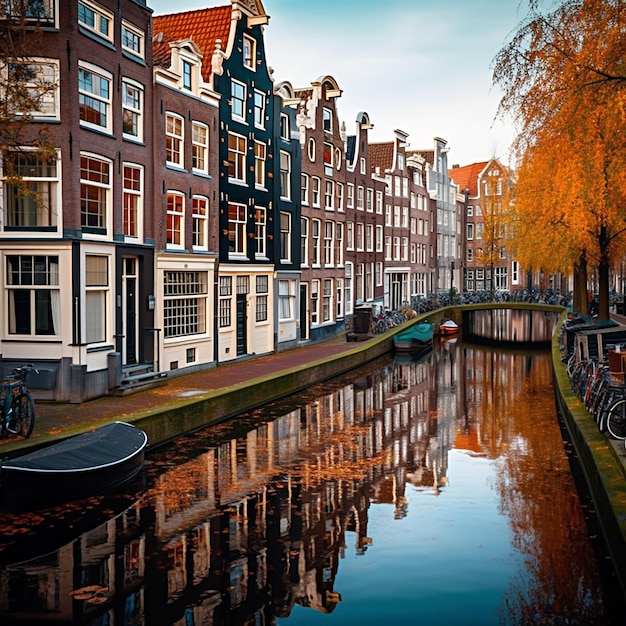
pixel 242 521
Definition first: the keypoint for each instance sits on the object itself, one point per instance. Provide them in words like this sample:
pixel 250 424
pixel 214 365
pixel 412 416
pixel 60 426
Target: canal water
pixel 433 490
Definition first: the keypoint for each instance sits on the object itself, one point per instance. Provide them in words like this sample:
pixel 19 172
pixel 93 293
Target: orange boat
pixel 448 327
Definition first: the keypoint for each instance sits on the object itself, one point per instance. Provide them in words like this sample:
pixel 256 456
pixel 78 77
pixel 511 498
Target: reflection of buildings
pixel 244 529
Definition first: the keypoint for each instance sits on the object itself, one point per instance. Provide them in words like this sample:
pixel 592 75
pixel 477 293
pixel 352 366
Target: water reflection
pixel 510 325
pixel 258 519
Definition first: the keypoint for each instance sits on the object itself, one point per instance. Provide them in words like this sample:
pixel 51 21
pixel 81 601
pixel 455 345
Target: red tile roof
pixel 381 155
pixel 204 27
pixel 466 177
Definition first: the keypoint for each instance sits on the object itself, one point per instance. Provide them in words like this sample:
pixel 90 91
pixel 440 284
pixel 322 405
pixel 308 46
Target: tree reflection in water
pixel 250 520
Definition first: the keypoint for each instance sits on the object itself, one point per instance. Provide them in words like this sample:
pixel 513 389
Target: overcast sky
pixel 420 66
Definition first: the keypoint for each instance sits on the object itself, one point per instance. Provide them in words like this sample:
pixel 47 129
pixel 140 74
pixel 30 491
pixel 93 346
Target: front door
pixel 304 315
pixel 242 324
pixel 129 310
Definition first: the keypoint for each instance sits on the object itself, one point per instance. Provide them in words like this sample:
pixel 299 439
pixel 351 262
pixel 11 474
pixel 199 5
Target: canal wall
pixel 603 464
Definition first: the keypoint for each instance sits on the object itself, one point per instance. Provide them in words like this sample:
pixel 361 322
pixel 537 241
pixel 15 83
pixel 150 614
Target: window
pixel 200 222
pixel 501 277
pixel 175 219
pixel 362 165
pixel 96 290
pixel 33 85
pixel 470 254
pixel 200 148
pixel 379 238
pixel 259 109
pixel 95 192
pixel 133 199
pixel 328 159
pixel 339 187
pixel 94 97
pixel 311 149
pixel 329 228
pixel 95 19
pixel 249 52
pixel 226 292
pixel 379 202
pixel 40 10
pixel 260 231
pixel 259 164
pixel 338 158
pixel 304 187
pixel 132 107
pixel 187 75
pixel 174 139
pixel 315 237
pixel 285 237
pixel 237 229
pixel 185 297
pixel 285 175
pixel 284 126
pixel 327 120
pixel 33 297
pixel 304 242
pixel 370 200
pixel 262 289
pixel 286 299
pixel 327 297
pixel 369 237
pixel 329 195
pixel 404 249
pixel 350 199
pixel 316 182
pixel 359 236
pixel 349 235
pixel 132 39
pixel 339 244
pixel 359 199
pixel 315 290
pixel 236 157
pixel 32 202
pixel 347 290
pixel 238 100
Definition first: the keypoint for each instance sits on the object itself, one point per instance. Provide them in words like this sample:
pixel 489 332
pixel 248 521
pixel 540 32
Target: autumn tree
pixel 563 78
pixel 28 86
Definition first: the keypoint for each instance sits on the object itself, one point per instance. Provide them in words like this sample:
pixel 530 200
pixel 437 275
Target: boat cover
pixel 94 450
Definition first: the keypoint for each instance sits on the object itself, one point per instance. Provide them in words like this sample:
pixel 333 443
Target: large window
pixel 260 150
pixel 260 231
pixel 133 199
pixel 132 107
pixel 200 218
pixel 34 85
pixel 329 230
pixel 238 100
pixel 315 238
pixel 95 19
pixel 200 148
pixel 225 300
pixel 286 299
pixel 96 290
pixel 95 192
pixel 327 296
pixel 174 127
pixel 304 242
pixel 133 39
pixel 285 237
pixel 285 175
pixel 31 10
pixel 236 157
pixel 184 303
pixel 237 229
pixel 94 97
pixel 175 219
pixel 33 298
pixel 31 197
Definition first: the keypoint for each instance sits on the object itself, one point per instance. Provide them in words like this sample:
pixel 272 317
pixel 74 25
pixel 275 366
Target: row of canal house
pixel 198 211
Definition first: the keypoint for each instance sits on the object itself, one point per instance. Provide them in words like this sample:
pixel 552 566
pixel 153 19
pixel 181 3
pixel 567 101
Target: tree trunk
pixel 580 303
pixel 603 276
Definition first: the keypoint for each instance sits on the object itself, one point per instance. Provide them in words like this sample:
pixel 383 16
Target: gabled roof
pixel 466 177
pixel 204 26
pixel 381 156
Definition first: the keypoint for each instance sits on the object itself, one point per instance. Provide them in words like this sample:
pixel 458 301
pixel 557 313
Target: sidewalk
pixel 55 421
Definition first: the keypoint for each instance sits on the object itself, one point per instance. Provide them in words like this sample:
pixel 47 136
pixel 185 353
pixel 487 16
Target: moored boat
pixel 448 327
pixel 417 337
pixel 77 467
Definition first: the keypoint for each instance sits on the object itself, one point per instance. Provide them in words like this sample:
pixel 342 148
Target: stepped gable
pixel 466 177
pixel 381 156
pixel 203 26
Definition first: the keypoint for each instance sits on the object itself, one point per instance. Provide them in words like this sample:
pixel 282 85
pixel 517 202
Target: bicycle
pixel 18 405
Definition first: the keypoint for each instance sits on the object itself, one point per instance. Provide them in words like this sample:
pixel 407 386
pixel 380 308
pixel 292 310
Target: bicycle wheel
pixel 616 420
pixel 24 411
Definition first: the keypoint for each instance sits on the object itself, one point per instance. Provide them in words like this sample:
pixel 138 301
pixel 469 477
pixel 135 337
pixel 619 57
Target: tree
pixel 28 86
pixel 563 76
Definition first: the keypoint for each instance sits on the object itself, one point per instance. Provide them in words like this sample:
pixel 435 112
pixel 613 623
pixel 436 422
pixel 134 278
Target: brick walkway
pixel 54 421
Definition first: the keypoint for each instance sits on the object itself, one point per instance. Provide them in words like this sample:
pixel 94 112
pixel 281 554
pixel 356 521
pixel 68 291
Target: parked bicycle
pixel 18 405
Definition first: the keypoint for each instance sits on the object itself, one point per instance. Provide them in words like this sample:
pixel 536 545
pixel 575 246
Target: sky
pixel 419 66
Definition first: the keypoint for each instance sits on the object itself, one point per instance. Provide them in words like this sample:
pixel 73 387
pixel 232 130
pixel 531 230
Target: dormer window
pixel 328 120
pixel 249 52
pixel 187 73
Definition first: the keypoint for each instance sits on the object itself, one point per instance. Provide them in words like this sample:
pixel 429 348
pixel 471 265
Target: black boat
pixel 84 465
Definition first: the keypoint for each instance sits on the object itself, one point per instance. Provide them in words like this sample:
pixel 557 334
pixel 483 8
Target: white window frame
pixel 260 155
pixel 238 93
pixel 199 148
pixel 133 201
pixel 101 18
pixel 41 79
pixel 285 175
pixel 132 108
pixel 260 232
pixel 259 109
pixel 285 237
pixel 237 227
pixel 249 52
pixel 237 158
pixel 131 32
pixel 175 230
pixel 200 208
pixel 174 140
pixel 104 201
pixel 95 94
